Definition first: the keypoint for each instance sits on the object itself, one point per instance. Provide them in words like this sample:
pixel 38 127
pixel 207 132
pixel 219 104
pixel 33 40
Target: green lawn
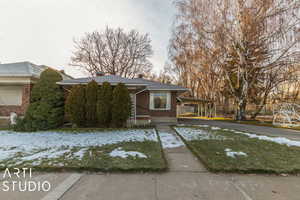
pixel 261 156
pixel 70 151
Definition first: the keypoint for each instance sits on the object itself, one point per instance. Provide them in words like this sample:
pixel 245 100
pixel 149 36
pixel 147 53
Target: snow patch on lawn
pixel 198 134
pixel 53 153
pixel 124 154
pixel 38 157
pixel 39 145
pixel 202 125
pixel 279 140
pixel 233 154
pixel 79 154
pixel 7 152
pixel 169 140
pixel 189 125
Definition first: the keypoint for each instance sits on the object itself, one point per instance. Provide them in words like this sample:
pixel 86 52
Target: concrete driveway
pixel 263 130
pixel 187 179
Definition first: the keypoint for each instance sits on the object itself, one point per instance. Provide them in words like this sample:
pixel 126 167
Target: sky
pixel 42 31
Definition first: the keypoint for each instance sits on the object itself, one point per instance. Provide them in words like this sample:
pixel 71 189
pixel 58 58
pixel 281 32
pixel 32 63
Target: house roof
pixel 25 69
pixel 20 69
pixel 114 80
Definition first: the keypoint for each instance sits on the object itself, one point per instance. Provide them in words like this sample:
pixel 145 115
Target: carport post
pixel 201 108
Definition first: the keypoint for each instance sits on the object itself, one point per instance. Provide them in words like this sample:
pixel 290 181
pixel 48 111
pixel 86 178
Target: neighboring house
pixel 152 101
pixel 16 82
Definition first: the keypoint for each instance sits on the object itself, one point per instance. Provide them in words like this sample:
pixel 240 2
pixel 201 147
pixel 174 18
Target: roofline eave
pixel 128 84
pixel 165 89
pixel 60 83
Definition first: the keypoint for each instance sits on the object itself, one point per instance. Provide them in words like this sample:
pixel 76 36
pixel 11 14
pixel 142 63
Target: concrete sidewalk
pixel 187 179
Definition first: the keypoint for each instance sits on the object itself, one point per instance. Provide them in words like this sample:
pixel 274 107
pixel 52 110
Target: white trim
pixel 18 76
pixel 141 91
pixel 16 80
pixel 135 108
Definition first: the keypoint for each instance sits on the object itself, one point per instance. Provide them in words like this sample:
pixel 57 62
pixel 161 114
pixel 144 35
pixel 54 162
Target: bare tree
pixel 113 51
pixel 167 75
pixel 251 43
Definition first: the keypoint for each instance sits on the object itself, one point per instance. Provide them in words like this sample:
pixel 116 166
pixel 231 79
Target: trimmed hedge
pixel 105 108
pixel 76 106
pixel 91 104
pixel 121 106
pixel 104 105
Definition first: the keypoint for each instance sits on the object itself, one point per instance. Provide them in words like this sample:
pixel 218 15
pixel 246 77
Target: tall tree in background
pixel 113 51
pixel 241 46
pixel 167 75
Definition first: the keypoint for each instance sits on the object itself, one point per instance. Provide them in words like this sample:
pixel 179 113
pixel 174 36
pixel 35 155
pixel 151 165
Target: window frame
pixel 168 103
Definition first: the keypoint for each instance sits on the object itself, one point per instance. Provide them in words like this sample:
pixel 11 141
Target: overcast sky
pixel 42 31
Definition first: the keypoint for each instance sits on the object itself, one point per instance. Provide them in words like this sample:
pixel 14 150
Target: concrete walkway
pixel 263 130
pixel 180 159
pixel 187 179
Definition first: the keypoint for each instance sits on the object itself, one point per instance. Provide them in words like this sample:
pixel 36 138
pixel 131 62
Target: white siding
pixel 11 95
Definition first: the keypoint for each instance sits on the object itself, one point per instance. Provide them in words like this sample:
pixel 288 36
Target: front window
pixel 160 101
pixel 11 95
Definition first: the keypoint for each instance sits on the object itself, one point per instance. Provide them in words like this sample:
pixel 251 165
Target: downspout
pixel 135 103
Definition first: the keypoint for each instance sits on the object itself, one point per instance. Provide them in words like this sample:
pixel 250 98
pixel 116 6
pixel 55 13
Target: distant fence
pixel 222 110
pixel 181 110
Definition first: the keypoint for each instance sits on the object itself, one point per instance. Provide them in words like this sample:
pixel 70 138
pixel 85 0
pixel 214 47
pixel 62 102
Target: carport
pixel 204 108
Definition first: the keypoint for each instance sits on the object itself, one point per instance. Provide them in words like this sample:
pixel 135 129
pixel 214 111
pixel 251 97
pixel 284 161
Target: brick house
pixel 152 101
pixel 16 82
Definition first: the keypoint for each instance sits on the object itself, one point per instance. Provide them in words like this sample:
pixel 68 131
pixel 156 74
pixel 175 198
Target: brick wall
pixel 20 110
